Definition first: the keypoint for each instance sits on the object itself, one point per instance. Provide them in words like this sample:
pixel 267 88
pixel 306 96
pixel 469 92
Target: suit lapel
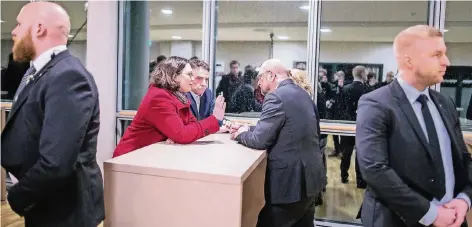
pixel 23 96
pixel 410 115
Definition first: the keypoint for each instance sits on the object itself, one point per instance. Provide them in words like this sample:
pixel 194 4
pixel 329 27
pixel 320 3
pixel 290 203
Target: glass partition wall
pixel 326 38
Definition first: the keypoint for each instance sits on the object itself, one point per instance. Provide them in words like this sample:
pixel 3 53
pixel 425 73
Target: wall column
pixel 102 61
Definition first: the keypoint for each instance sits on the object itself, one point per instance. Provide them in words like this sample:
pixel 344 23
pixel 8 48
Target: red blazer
pixel 161 116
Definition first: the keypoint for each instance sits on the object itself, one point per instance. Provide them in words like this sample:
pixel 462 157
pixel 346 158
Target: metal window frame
pixel 121 57
pixel 209 30
pixel 313 43
pixel 437 18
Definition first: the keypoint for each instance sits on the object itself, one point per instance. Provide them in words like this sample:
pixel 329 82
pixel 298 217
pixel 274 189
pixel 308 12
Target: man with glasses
pixel 288 130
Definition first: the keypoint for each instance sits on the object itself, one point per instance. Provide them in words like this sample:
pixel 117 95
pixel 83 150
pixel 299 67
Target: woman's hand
pixel 220 106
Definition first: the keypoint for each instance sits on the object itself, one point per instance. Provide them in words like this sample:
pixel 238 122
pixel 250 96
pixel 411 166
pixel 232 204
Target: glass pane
pixel 458 36
pixel 154 30
pixel 355 33
pixel 12 72
pixel 250 32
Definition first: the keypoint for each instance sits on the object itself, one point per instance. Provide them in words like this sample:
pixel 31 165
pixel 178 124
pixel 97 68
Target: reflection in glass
pixel 457 83
pixel 355 36
pixel 250 32
pixel 153 31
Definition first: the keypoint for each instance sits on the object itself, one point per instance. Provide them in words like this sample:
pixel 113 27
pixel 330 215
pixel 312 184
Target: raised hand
pixel 220 106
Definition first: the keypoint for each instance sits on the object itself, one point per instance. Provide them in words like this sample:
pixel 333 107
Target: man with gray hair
pixel 288 130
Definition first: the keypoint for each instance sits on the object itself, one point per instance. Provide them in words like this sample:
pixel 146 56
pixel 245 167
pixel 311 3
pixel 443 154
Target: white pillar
pixel 102 62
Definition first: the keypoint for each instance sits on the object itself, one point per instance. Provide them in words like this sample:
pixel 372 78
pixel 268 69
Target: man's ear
pixel 40 30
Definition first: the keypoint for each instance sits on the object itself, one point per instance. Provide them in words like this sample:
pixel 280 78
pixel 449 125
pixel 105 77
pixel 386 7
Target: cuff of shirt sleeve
pixel 430 216
pixel 464 197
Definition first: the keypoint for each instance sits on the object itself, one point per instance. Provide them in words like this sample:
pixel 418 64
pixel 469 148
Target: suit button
pixel 207 132
pixel 431 180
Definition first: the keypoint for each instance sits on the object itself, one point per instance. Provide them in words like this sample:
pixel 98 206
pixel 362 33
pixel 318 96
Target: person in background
pixel 409 142
pixel 300 78
pixel 388 78
pixel 337 108
pixel 243 99
pixel 165 111
pixel 288 130
pixel 49 142
pixel 200 96
pixel 160 59
pixel 371 82
pixel 352 94
pixel 230 83
pixel 12 77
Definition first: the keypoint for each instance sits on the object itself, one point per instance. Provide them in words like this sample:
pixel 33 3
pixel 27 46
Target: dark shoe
pixel 344 180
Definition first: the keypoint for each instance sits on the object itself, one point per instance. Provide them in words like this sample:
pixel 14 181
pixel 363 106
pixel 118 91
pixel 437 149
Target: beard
pixel 23 49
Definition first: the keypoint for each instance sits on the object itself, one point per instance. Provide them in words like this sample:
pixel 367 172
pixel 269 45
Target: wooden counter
pixel 212 182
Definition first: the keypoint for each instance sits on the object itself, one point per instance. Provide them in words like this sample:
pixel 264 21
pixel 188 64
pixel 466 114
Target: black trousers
pixel 298 214
pixel 348 143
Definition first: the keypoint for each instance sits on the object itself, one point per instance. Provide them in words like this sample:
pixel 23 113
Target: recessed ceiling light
pixel 176 37
pixel 1 21
pixel 70 36
pixel 283 37
pixel 305 7
pixel 325 30
pixel 445 30
pixel 166 11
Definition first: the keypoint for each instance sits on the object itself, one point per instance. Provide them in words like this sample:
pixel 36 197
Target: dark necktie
pixel 432 134
pixel 24 81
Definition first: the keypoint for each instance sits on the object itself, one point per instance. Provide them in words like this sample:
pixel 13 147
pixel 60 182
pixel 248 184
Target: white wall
pixel 77 48
pixel 102 63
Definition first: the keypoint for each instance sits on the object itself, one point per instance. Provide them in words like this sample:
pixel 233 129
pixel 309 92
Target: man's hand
pixel 241 129
pixel 220 106
pixel 460 206
pixel 445 218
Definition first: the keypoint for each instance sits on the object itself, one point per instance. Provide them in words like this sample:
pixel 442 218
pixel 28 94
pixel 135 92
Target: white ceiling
pixel 368 21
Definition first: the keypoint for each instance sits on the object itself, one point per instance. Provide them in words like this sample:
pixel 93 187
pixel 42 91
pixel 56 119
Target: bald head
pixel 41 26
pixel 420 52
pixel 275 66
pixel 50 15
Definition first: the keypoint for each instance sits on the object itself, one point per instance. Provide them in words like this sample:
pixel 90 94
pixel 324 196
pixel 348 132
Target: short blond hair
pixel 300 78
pixel 408 36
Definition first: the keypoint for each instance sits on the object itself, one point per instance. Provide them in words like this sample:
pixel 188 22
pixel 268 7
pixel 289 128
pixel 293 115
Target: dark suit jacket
pixel 352 93
pixel 396 161
pixel 288 129
pixel 207 103
pixel 50 142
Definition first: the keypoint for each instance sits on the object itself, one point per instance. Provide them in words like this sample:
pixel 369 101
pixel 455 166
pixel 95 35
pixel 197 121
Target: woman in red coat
pixel 165 111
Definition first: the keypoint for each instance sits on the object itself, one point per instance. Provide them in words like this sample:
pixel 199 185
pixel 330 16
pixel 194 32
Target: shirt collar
pixel 195 96
pixel 411 92
pixel 45 57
